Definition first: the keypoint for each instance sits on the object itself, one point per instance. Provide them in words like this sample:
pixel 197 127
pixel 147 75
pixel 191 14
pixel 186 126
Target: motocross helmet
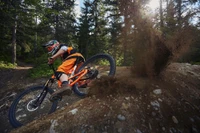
pixel 52 46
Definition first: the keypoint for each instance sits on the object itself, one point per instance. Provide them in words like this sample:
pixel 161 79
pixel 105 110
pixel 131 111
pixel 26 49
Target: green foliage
pixel 43 69
pixel 195 63
pixel 92 35
pixel 6 65
pixel 37 22
pixel 118 27
pixel 192 55
pixel 58 21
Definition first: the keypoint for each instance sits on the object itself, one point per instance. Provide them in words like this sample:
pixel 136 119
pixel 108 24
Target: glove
pixel 50 60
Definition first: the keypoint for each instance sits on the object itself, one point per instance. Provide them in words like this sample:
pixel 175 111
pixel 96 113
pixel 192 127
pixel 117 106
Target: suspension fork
pixel 42 95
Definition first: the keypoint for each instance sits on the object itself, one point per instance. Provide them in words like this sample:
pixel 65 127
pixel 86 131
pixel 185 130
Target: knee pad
pixel 58 75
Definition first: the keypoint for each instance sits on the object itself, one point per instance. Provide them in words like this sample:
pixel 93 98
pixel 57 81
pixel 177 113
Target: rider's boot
pixel 65 89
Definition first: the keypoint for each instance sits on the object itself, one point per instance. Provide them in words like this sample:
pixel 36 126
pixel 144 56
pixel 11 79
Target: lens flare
pixel 153 4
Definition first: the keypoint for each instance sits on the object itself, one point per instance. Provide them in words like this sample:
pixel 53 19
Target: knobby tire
pixel 100 56
pixel 12 118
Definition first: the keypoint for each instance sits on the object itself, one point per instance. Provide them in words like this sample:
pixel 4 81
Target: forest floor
pixel 169 103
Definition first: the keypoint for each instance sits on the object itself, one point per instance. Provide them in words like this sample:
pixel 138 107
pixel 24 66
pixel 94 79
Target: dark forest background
pixel 127 29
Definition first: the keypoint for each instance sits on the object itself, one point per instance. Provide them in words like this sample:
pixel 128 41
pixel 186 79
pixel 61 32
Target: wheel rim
pixel 101 66
pixel 30 106
pixel 103 63
pixel 22 112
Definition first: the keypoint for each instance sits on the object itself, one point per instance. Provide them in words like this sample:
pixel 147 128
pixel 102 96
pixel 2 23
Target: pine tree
pixel 114 28
pixel 93 32
pixel 85 27
pixel 59 20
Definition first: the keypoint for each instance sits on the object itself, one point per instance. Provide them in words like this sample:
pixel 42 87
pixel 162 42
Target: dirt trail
pixel 12 82
pixel 168 103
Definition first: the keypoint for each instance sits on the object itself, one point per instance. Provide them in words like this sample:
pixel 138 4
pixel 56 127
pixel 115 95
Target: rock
pixel 125 106
pixel 138 131
pixel 157 91
pixel 127 98
pixel 121 117
pixel 53 124
pixel 74 111
pixel 160 100
pixel 155 103
pixel 174 119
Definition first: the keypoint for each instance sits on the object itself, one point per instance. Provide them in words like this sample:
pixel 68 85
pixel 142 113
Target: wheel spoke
pixel 25 109
pixel 98 66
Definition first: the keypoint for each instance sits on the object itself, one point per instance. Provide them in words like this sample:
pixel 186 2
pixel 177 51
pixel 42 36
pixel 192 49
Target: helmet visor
pixel 50 48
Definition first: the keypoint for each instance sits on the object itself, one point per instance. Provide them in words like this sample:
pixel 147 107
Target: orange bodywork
pixel 67 67
pixel 71 80
pixel 68 64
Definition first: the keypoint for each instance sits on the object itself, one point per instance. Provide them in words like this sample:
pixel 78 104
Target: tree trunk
pixel 56 29
pixel 57 23
pixel 96 24
pixel 161 15
pixel 179 12
pixel 125 41
pixel 14 56
pixel 35 45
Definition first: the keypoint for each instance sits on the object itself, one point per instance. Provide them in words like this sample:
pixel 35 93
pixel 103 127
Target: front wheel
pixel 99 65
pixel 23 110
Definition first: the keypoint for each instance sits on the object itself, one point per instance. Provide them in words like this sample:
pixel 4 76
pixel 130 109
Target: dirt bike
pixel 34 102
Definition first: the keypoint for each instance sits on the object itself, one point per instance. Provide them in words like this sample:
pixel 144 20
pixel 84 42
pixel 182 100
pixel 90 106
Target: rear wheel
pixel 24 110
pixel 98 65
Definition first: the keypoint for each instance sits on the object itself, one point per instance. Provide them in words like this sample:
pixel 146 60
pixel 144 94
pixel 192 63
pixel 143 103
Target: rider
pixel 69 57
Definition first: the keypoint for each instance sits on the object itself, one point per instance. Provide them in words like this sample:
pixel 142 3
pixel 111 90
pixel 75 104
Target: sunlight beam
pixel 153 4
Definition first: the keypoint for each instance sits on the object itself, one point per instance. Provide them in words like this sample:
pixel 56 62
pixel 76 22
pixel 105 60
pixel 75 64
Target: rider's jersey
pixel 68 51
